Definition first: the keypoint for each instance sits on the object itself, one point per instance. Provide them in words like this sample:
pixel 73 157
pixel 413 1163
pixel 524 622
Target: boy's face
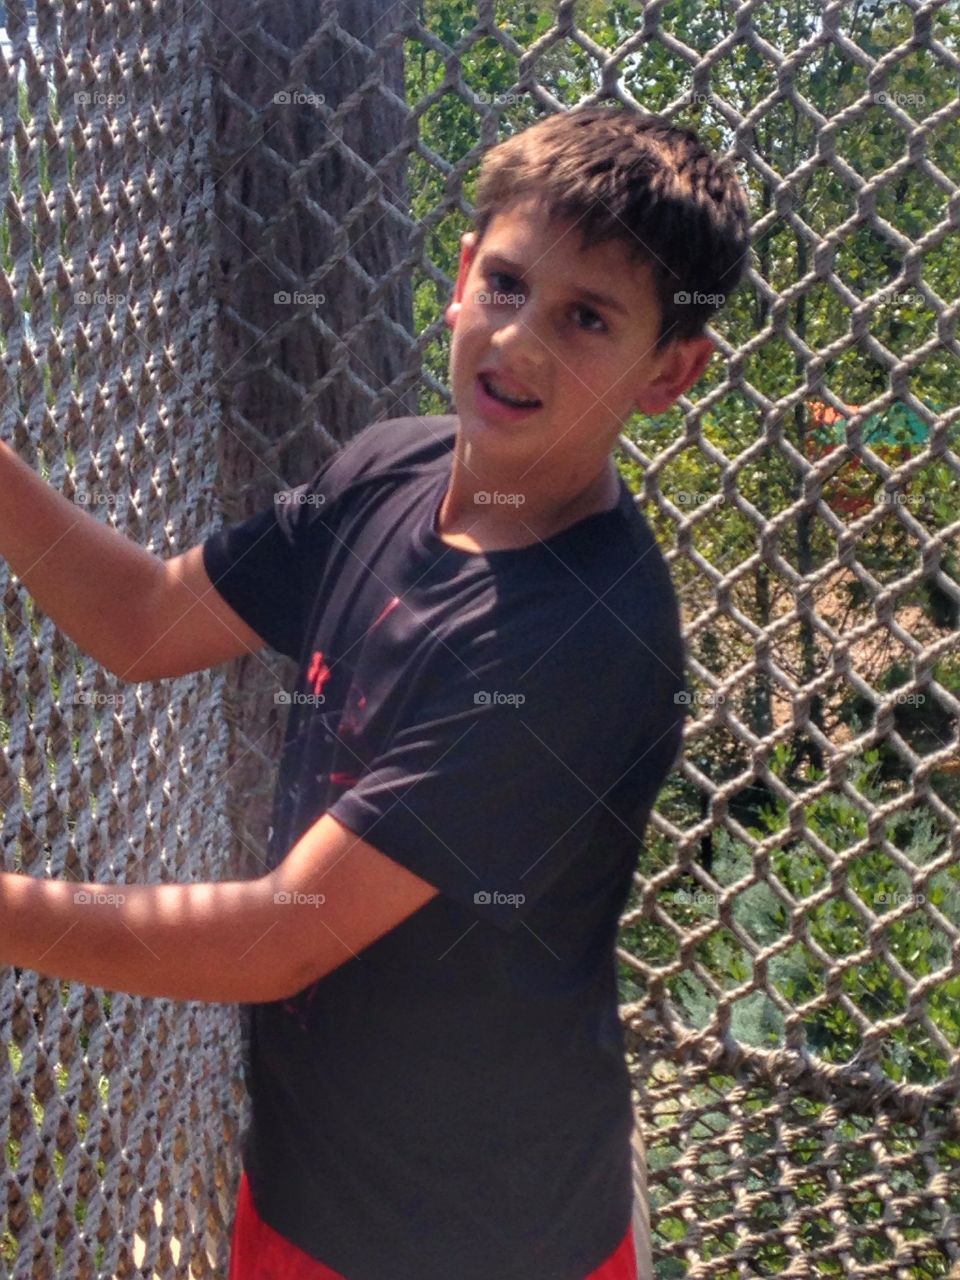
pixel 589 363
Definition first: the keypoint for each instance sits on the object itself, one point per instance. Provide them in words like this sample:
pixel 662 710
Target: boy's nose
pixel 521 350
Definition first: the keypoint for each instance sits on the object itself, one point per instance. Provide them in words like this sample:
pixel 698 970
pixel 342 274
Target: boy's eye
pixel 493 276
pixel 587 312
pixel 506 279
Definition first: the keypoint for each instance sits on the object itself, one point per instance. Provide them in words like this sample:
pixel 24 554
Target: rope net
pixel 118 1118
pixel 231 255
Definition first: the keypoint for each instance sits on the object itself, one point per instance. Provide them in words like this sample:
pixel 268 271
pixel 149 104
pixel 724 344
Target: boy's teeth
pixel 501 395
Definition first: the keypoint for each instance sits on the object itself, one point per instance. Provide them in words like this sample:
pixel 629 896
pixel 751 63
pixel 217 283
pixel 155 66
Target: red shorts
pixel 260 1253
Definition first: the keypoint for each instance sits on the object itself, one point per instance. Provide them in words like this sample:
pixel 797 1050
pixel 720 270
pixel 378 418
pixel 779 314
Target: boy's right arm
pixel 187 624
pixel 140 617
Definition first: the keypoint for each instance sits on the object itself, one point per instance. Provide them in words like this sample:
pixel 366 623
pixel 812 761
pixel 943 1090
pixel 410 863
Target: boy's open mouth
pixel 489 385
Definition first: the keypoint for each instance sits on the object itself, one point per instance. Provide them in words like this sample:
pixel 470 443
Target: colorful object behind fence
pixel 893 435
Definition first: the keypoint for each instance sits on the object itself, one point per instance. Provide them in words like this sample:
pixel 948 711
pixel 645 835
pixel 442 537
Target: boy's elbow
pixel 270 983
pixel 123 672
pixel 126 667
pixel 273 970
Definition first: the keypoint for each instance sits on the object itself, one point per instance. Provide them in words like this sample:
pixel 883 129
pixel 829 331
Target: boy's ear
pixel 682 364
pixel 468 245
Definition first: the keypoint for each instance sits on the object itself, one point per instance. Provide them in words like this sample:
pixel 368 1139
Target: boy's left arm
pixel 243 941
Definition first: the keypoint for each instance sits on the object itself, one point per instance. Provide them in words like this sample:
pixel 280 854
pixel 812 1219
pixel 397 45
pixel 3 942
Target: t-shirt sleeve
pixel 267 567
pixel 258 565
pixel 498 774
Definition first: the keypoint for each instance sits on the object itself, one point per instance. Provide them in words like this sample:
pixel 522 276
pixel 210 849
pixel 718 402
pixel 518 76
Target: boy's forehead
pixel 529 226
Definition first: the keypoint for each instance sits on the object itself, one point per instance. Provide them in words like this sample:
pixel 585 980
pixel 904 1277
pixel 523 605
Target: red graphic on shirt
pixel 388 608
pixel 349 727
pixel 318 672
pixel 351 720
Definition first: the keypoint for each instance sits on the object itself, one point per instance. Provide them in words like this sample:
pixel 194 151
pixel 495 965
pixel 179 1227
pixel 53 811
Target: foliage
pixel 811 908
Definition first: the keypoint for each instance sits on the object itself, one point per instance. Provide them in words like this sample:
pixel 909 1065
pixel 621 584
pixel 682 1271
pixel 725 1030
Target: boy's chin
pixel 481 426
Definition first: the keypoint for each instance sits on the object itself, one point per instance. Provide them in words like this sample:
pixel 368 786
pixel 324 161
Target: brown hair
pixel 639 180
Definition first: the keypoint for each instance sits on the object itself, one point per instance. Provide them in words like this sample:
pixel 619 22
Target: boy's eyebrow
pixel 601 299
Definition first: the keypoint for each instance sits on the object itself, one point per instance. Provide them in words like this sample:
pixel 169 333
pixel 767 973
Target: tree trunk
pixel 295 380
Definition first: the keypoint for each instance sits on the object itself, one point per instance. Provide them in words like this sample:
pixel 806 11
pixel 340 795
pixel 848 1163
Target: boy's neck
pixel 469 525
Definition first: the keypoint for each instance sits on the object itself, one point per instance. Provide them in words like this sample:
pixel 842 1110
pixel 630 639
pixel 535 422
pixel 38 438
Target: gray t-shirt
pixel 453 1103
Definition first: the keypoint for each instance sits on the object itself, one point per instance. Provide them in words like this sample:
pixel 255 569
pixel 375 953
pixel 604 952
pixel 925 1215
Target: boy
pixel 489 656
